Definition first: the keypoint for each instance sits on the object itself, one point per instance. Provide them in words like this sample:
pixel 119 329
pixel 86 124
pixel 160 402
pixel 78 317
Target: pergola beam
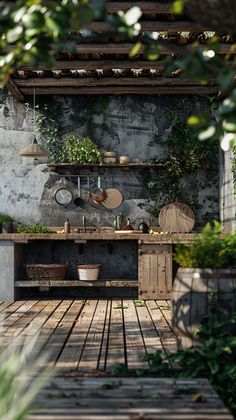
pixel 15 91
pixel 125 48
pixel 147 7
pixel 156 26
pixel 122 90
pixel 104 81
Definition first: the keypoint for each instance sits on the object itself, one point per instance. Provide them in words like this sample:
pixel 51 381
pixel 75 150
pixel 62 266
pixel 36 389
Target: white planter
pixel 88 272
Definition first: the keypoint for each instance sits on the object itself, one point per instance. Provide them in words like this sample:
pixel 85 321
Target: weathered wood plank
pixel 147 7
pixel 133 337
pixel 76 283
pixel 167 337
pixel 14 90
pixel 116 350
pixel 90 357
pixel 62 331
pixel 65 82
pixel 157 26
pixel 104 347
pixel 151 338
pixel 124 90
pixel 71 353
pixel 98 64
pixel 129 398
pixel 28 317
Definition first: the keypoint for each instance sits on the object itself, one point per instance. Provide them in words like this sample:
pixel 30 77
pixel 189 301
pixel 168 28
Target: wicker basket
pixel 46 271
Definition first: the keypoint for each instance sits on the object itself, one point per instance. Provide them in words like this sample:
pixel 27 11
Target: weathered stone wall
pixel 27 187
pixel 227 194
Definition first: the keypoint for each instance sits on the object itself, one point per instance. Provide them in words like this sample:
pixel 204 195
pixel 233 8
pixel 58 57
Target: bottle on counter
pixel 67 226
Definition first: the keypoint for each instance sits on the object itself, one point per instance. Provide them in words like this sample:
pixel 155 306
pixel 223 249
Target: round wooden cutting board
pixel 176 218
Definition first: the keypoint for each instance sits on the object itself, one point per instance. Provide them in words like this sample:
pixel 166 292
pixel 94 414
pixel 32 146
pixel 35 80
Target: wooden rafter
pixel 125 48
pixel 156 26
pixel 104 81
pixel 98 64
pixel 15 91
pixel 121 90
pixel 147 7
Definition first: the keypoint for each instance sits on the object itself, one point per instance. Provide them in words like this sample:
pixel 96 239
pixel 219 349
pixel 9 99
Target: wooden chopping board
pixel 176 218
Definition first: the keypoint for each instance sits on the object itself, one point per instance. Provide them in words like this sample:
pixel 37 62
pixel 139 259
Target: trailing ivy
pixel 95 108
pixel 186 159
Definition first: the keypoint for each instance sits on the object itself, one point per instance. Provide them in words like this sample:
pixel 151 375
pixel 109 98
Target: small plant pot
pixel 88 272
pixel 7 227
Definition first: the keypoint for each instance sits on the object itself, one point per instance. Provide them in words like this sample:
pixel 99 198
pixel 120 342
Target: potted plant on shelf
pixel 77 149
pixel 6 223
pixel 207 267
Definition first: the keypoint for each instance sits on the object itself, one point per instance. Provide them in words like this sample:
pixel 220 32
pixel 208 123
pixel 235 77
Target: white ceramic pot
pixel 89 272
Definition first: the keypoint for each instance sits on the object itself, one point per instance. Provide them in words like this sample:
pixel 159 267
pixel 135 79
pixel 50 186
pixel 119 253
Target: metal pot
pixel 144 225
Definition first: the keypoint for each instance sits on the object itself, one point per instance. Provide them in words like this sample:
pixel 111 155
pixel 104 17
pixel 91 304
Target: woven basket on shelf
pixel 45 271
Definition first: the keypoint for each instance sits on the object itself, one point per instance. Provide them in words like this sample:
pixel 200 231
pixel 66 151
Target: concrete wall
pixel 27 187
pixel 227 194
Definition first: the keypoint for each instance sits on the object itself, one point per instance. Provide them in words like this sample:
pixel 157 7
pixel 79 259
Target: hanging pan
pixel 78 200
pixel 114 198
pixel 99 195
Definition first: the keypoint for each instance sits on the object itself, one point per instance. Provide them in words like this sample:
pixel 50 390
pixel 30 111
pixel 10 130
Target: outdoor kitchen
pixel 109 213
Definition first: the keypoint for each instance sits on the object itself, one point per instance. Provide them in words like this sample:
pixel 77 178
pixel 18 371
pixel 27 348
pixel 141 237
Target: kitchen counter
pixel 171 238
pixel 145 258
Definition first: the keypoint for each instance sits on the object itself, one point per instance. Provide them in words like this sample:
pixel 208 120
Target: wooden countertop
pixel 159 238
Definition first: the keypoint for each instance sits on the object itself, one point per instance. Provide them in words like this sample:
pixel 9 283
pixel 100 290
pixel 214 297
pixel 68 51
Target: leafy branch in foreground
pixel 214 359
pixel 22 376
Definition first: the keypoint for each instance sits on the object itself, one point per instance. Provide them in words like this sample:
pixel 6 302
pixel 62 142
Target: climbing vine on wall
pixel 189 165
pixel 233 167
pixel 95 109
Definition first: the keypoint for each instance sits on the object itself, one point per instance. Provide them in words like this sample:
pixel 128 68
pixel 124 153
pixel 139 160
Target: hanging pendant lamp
pixel 34 149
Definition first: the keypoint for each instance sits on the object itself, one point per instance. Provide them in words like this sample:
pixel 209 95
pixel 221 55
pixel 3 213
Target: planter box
pixel 191 297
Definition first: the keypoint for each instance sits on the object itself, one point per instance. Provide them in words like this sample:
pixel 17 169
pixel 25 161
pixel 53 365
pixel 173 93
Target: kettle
pixel 144 225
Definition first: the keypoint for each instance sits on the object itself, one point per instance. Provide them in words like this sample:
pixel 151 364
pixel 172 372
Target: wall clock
pixel 63 196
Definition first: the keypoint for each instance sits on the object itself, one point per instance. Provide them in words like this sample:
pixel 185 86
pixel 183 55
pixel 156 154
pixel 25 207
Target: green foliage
pixel 80 150
pixel 210 250
pixel 47 126
pixel 37 30
pixel 185 156
pixel 215 358
pixel 33 229
pixel 21 378
pixel 4 218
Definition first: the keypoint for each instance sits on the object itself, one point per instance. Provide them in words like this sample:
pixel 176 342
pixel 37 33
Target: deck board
pixel 91 335
pixel 127 399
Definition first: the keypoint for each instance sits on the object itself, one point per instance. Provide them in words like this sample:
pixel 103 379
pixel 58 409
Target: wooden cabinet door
pixel 155 271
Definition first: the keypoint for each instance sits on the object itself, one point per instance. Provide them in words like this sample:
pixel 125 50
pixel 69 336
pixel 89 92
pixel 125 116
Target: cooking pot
pixel 144 225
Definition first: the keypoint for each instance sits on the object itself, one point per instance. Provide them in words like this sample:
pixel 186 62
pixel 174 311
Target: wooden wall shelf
pixel 56 166
pixel 76 283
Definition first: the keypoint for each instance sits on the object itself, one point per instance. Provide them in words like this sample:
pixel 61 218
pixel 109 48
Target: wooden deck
pixel 93 335
pixel 129 399
pixel 84 339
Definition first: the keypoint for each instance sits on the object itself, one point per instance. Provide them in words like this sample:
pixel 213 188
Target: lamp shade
pixel 34 150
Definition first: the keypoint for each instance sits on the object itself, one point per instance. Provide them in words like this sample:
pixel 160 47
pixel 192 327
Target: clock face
pixel 63 196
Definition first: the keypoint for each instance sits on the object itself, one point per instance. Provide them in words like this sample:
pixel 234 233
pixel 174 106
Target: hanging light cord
pixel 34 109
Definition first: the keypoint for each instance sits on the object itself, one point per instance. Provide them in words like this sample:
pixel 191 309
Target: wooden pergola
pixel 101 64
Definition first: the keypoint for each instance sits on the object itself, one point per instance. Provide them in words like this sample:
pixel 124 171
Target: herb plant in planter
pixel 6 223
pixel 207 267
pixel 80 150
